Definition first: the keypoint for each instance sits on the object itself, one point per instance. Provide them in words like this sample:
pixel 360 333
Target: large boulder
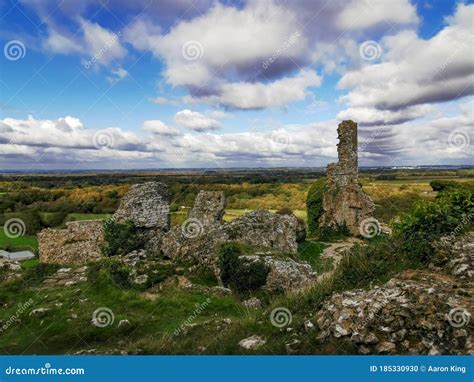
pixel 262 228
pixel 286 275
pixel 147 205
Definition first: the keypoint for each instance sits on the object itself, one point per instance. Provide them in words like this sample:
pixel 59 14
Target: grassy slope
pixel 152 321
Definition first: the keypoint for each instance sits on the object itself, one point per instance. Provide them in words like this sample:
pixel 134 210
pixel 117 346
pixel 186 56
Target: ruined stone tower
pixel 344 202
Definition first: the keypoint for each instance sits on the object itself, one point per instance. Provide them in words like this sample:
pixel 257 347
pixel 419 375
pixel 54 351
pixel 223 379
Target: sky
pixel 116 84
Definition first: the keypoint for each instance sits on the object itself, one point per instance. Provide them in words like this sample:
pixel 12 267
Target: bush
pixel 120 239
pixel 109 269
pixel 240 275
pixel 450 185
pixel 429 221
pixel 314 205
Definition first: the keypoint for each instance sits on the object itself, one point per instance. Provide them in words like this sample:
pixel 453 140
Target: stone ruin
pixel 78 243
pixel 208 208
pixel 344 202
pixel 147 205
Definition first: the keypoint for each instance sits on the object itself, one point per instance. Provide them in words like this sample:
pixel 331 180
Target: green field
pixel 25 242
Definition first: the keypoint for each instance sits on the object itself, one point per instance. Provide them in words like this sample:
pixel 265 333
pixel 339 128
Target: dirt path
pixel 335 252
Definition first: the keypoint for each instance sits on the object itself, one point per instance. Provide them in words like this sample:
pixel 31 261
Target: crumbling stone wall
pixel 147 205
pixel 344 202
pixel 208 208
pixel 78 243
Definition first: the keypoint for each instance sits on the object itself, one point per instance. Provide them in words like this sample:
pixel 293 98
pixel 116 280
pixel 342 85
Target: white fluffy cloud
pixel 414 71
pixel 157 127
pixel 196 121
pixel 368 13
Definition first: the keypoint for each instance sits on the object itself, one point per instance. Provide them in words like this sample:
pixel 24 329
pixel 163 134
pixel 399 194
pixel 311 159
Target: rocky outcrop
pixel 344 202
pixel 208 208
pixel 416 312
pixel 66 277
pixel 79 243
pixel 258 228
pixel 263 228
pixel 147 205
pixel 286 275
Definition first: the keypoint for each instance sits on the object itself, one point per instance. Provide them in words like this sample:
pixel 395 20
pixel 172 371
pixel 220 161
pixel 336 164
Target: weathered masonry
pixel 344 202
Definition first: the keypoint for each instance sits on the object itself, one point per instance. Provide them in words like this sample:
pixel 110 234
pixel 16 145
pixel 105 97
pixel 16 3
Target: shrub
pixel 120 238
pixel 314 205
pixel 238 274
pixel 109 269
pixel 429 221
pixel 450 185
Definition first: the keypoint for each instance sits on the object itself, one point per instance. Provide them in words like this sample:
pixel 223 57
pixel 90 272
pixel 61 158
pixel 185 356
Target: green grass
pixel 30 263
pixel 25 242
pixel 310 251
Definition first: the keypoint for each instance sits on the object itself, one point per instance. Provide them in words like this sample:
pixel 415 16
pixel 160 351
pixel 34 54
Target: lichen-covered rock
pixel 252 342
pixel 208 208
pixel 414 313
pixel 286 275
pixel 66 277
pixel 79 243
pixel 9 269
pixel 344 202
pixel 147 205
pixel 456 256
pixel 258 228
pixel 262 228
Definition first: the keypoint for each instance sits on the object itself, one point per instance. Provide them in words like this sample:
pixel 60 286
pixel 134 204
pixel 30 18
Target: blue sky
pixel 117 84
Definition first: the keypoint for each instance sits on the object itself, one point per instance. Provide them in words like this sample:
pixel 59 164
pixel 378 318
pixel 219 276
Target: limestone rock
pixel 344 202
pixel 66 277
pixel 414 313
pixel 208 208
pixel 286 275
pixel 263 228
pixel 79 243
pixel 253 303
pixel 147 205
pixel 258 228
pixel 252 342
